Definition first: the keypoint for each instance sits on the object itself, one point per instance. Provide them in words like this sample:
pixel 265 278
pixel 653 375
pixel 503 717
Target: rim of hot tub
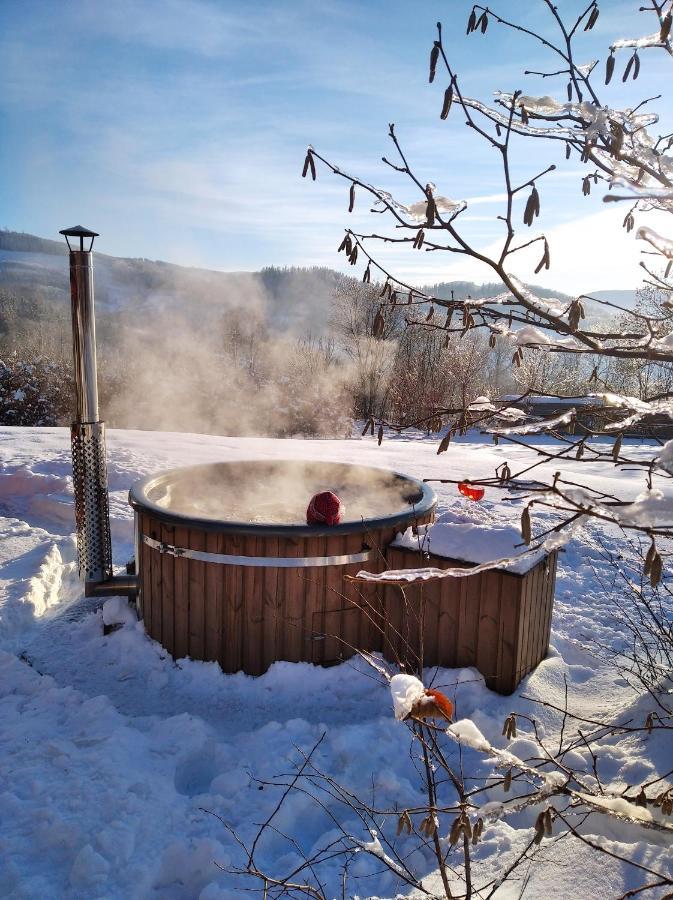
pixel 139 500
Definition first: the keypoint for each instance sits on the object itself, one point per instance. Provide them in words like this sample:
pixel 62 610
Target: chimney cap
pixel 79 231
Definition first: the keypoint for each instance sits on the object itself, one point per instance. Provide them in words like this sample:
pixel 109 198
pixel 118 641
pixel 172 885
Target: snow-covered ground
pixel 110 751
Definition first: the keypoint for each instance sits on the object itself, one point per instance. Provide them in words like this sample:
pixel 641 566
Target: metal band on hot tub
pixel 275 562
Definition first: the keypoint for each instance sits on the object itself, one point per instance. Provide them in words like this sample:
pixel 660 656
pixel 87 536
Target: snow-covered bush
pixel 36 392
pixel 312 392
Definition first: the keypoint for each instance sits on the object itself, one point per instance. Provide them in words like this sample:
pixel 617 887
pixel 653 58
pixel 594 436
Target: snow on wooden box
pixel 498 621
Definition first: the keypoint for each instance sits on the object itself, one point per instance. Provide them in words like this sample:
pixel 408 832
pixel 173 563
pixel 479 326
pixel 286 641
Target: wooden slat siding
pixel 510 607
pixel 231 656
pixel 318 601
pixel 488 634
pixel 253 645
pixel 547 577
pixel 544 590
pixel 236 573
pixel 137 527
pixel 533 577
pixel 283 550
pixel 551 588
pixel 247 625
pixel 259 606
pixel 166 562
pixel 282 626
pixel 272 605
pixel 312 646
pixel 401 630
pixel 393 606
pixel 524 627
pixel 470 609
pixel 155 581
pixel 213 601
pixel 356 623
pixel 414 612
pixel 328 647
pixel 460 613
pixel 155 584
pixel 347 622
pixel 529 639
pixel 391 616
pixel 431 611
pixel 367 597
pixel 145 572
pixel 403 608
pixel 551 585
pixel 154 531
pixel 293 602
pixel 333 601
pixel 181 611
pixel 448 624
pixel 197 600
pixel 316 606
pixel 337 620
pixel 305 618
pixel 373 595
pixel 374 598
pixel 521 606
pixel 538 593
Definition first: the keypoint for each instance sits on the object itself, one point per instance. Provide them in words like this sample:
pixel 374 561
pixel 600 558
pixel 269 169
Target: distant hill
pixel 34 288
pixel 30 243
pixel 463 289
pixel 293 298
pixel 626 299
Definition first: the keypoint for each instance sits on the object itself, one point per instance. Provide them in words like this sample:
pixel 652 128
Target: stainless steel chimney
pixel 92 514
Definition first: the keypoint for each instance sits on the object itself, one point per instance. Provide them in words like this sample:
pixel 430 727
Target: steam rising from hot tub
pixel 231 367
pixel 280 493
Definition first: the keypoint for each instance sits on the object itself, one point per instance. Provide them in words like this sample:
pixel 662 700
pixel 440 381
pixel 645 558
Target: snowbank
pixel 110 751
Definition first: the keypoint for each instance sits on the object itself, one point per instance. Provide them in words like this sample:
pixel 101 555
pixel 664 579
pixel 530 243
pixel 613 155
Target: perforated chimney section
pixel 94 549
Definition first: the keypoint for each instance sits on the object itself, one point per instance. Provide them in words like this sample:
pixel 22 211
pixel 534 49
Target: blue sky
pixel 177 128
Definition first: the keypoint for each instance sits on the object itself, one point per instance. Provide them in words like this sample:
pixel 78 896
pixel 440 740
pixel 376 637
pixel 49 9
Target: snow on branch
pixel 539 427
pixel 662 244
pixel 648 40
pixel 432 573
pixel 651 509
pixel 594 119
pixel 529 335
pixel 546 306
pixel 567 134
pixel 503 299
pixel 633 191
pixel 375 848
pixel 466 733
pixel 641 408
pixel 418 212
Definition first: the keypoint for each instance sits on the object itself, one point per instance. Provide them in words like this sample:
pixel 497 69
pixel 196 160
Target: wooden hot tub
pixel 229 571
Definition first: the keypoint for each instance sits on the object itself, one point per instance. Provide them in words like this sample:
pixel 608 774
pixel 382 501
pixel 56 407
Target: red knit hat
pixel 324 509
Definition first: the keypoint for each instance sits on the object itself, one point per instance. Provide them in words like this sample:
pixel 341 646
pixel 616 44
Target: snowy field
pixel 110 751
